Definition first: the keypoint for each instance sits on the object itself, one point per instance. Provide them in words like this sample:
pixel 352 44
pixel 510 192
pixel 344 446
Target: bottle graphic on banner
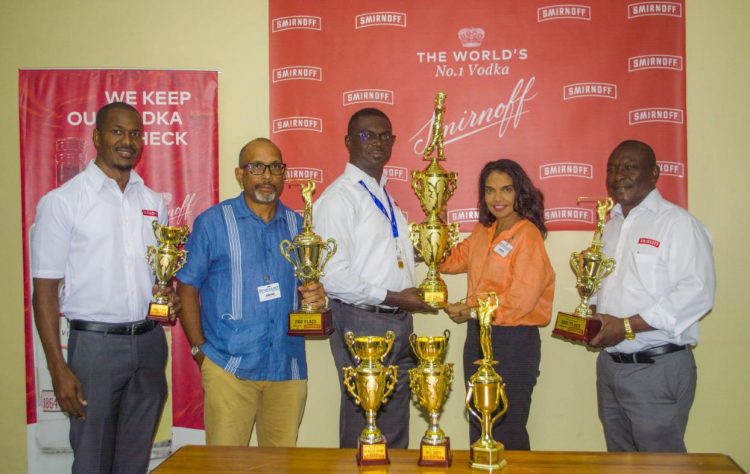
pixel 69 159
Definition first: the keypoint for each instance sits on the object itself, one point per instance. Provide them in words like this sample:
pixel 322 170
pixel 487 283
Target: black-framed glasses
pixel 369 137
pixel 258 168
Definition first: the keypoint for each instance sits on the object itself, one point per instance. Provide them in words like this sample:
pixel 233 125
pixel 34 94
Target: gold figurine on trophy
pixel 590 266
pixel 433 186
pixel 309 255
pixel 430 382
pixel 166 259
pixel 370 384
pixel 485 397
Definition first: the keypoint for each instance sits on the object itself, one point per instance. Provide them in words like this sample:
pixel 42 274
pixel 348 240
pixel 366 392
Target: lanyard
pixel 392 216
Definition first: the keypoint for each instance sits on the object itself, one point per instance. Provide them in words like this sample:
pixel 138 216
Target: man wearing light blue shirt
pixel 238 290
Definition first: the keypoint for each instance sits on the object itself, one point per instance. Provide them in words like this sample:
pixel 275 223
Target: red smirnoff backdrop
pixel 57 110
pixel 554 86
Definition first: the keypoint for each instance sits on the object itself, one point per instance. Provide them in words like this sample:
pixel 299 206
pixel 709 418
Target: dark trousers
pixel 125 386
pixel 518 351
pixel 393 417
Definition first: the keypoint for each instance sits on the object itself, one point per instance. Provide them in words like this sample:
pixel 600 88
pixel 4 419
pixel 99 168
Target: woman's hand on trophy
pixel 458 312
pixel 314 295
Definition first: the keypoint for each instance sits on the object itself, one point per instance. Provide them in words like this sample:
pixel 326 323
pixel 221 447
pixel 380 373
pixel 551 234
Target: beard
pixel 264 198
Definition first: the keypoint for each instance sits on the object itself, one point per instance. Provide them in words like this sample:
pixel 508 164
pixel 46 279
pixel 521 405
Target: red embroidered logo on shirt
pixel 150 213
pixel 651 242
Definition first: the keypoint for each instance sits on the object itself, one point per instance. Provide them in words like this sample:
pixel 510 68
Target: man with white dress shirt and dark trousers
pixel 650 306
pixel 370 280
pixel 93 232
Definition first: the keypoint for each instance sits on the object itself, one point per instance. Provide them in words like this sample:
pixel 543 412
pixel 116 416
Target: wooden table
pixel 210 459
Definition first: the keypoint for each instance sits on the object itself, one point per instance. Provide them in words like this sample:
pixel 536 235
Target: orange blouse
pixel 523 279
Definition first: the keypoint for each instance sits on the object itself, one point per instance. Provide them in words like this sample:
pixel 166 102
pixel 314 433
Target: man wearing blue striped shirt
pixel 237 291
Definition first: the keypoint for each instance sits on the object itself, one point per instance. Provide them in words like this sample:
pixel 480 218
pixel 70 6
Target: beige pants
pixel 232 407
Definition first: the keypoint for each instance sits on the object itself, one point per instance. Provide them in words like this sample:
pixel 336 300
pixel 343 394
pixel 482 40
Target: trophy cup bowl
pixel 370 384
pixel 433 240
pixel 434 187
pixel 309 253
pixel 165 259
pixel 590 267
pixel 430 382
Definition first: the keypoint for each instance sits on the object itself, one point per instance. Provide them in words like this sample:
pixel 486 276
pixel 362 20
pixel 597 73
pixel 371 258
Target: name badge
pixel 503 248
pixel 269 292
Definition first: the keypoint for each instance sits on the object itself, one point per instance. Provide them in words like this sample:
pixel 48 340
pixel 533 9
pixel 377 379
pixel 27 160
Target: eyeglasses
pixel 369 138
pixel 259 168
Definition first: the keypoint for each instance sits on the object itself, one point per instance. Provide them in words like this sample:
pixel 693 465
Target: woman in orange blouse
pixel 505 254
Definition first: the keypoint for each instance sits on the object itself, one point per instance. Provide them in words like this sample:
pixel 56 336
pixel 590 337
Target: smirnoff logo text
pixel 655 114
pixel 558 170
pixel 590 89
pixel 380 19
pixel 463 215
pixel 297 22
pixel 398 173
pixel 285 124
pixel 290 73
pixel 671 168
pixel 367 95
pixel 575 214
pixel 655 61
pixel 639 9
pixel 300 173
pixel 560 12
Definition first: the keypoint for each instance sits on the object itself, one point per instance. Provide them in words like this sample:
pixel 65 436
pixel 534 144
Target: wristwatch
pixel 195 350
pixel 473 313
pixel 629 334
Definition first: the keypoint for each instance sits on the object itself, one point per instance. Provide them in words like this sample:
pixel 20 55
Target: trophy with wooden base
pixel 309 255
pixel 433 186
pixel 590 266
pixel 485 397
pixel 430 381
pixel 166 259
pixel 370 384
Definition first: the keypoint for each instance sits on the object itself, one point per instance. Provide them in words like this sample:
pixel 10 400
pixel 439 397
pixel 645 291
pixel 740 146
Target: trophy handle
pixel 504 398
pixel 469 393
pixel 391 374
pixel 330 248
pixel 286 248
pixel 608 266
pixel 349 338
pixel 453 236
pixel 448 371
pixel 451 185
pixel 417 185
pixel 574 263
pixel 415 383
pixel 185 233
pixel 412 341
pixel 447 335
pixel 182 259
pixel 349 374
pixel 414 237
pixel 150 254
pixel 390 337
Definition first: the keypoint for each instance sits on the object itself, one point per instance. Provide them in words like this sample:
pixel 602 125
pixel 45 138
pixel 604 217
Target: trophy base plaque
pixel 435 454
pixel 372 454
pixel 159 312
pixel 487 459
pixel 310 324
pixel 576 328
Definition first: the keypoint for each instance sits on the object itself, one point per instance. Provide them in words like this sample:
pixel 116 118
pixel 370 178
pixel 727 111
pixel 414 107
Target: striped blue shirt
pixel 231 253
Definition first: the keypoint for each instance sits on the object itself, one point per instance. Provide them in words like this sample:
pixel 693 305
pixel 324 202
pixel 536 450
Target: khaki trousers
pixel 233 406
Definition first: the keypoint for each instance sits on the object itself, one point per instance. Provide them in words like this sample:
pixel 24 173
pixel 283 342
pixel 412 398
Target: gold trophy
pixel 309 254
pixel 165 260
pixel 590 267
pixel 370 384
pixel 486 394
pixel 429 383
pixel 433 186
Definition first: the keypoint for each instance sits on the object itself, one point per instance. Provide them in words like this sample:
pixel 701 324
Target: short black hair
pixel 642 148
pixel 101 114
pixel 368 112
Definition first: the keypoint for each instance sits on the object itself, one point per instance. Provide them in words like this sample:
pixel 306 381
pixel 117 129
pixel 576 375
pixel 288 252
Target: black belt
pixel 373 309
pixel 120 329
pixel 645 357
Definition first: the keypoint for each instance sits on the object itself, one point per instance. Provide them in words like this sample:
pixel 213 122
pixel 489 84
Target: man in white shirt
pixel 370 279
pixel 92 232
pixel 650 306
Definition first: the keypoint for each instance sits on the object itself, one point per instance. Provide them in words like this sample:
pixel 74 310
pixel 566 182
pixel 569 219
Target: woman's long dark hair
pixel 529 199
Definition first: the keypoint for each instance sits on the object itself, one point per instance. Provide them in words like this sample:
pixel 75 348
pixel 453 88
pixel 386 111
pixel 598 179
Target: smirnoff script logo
pixel 502 115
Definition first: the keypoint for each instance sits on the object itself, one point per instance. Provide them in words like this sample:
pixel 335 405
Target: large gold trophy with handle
pixel 485 397
pixel 166 259
pixel 433 186
pixel 370 384
pixel 430 382
pixel 309 254
pixel 590 266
